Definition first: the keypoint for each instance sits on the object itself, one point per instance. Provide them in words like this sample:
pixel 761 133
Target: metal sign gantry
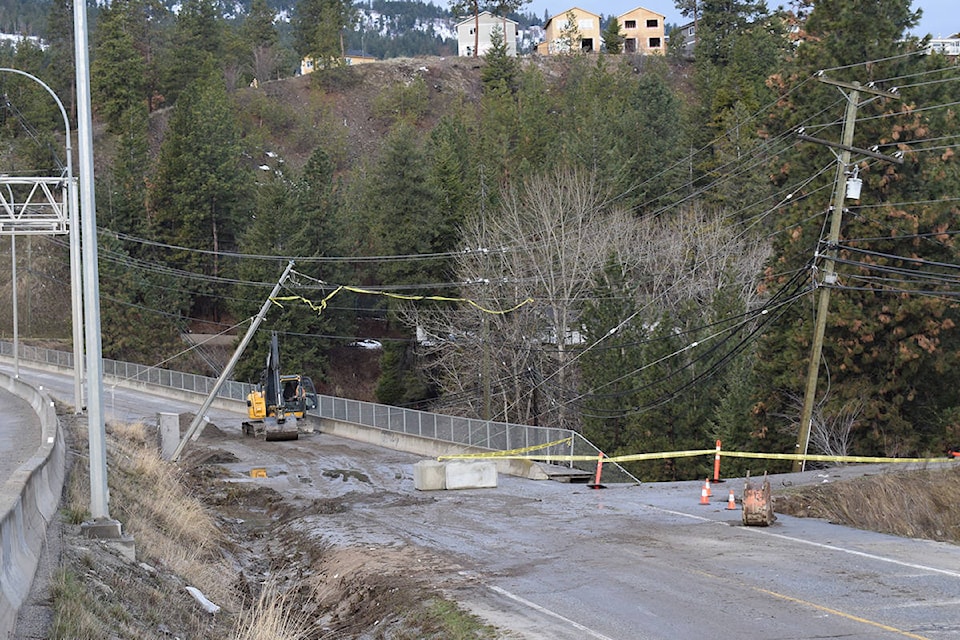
pixel 34 205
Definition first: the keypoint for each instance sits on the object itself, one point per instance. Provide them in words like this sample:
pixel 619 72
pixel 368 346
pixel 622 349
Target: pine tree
pixel 613 36
pixel 570 36
pixel 118 71
pixel 404 211
pixel 124 208
pixel 279 227
pixel 131 297
pixel 32 122
pixel 199 194
pixel 318 27
pixel 500 69
pixel 197 45
pixel 739 45
pixel 260 39
pixel 60 51
pixel 452 176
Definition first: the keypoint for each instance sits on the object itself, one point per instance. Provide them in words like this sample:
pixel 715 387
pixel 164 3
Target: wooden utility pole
pixel 829 272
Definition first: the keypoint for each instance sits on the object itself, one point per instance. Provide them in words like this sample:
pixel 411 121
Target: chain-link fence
pixel 484 434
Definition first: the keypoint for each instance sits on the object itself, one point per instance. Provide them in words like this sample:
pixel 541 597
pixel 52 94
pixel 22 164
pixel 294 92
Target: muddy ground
pixel 354 551
pixel 267 499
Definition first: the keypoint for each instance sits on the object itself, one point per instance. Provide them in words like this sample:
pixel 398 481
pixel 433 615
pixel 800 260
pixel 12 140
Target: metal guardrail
pixel 484 434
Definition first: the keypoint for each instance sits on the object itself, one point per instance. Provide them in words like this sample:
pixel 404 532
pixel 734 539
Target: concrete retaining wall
pixel 424 446
pixel 28 501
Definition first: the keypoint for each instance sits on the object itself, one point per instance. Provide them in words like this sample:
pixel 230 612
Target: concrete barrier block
pixel 169 427
pixel 471 474
pixel 429 475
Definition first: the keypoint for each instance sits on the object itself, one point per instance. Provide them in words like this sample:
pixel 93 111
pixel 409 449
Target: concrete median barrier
pixel 28 501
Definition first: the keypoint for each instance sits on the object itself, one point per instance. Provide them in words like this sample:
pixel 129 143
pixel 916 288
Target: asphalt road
pixel 19 433
pixel 548 560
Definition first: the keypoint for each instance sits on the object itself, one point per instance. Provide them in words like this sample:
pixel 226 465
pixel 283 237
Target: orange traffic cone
pixel 731 502
pixel 596 481
pixel 705 493
pixel 706 484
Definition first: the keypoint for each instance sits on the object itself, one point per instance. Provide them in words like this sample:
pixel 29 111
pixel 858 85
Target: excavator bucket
pixel 271 430
pixel 274 436
pixel 286 430
pixel 757 503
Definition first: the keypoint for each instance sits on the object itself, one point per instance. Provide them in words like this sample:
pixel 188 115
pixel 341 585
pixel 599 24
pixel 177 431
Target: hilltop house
pixel 476 31
pixel 643 31
pixel 946 46
pixel 571 31
pixel 352 57
pixel 688 33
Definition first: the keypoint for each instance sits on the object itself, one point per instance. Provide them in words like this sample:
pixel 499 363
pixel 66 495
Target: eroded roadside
pixel 251 545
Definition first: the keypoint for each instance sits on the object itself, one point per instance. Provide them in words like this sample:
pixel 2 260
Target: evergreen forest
pixel 632 247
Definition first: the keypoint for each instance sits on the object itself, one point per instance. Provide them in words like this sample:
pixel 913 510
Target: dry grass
pixel 272 617
pixel 97 594
pixel 171 527
pixel 915 504
pixel 278 585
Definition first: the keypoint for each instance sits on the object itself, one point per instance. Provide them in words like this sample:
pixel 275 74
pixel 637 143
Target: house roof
pixel 565 12
pixel 643 9
pixel 483 13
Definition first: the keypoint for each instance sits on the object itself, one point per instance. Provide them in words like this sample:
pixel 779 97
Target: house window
pixel 691 31
pixel 629 24
pixel 653 43
pixel 586 25
pixel 630 45
pixel 653 23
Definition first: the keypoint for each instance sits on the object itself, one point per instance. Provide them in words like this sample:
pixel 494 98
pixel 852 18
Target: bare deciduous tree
pixel 548 241
pixel 554 240
pixel 830 432
pixel 691 256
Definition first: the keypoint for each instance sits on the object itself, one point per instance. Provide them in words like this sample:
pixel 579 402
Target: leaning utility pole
pixel 829 272
pixel 196 426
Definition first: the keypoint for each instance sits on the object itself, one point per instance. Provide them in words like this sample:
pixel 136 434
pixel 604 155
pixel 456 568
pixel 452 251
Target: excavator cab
pixel 299 394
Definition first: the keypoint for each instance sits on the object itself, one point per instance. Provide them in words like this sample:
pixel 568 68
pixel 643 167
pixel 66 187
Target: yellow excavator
pixel 279 401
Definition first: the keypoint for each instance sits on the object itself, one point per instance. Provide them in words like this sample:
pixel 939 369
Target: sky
pixel 940 17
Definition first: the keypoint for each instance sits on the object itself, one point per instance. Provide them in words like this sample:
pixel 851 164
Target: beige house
pixel 643 31
pixel 563 35
pixel 476 31
pixel 307 65
pixel 355 57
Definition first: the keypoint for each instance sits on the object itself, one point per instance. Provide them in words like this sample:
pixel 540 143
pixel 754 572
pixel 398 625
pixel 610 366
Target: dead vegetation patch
pixel 914 504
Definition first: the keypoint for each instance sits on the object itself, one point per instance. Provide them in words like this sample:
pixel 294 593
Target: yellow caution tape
pixel 320 306
pixel 512 453
pixel 821 458
pixel 663 455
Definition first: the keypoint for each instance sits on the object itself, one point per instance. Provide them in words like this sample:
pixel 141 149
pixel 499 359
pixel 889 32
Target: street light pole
pixel 16 330
pixel 74 209
pixel 99 494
